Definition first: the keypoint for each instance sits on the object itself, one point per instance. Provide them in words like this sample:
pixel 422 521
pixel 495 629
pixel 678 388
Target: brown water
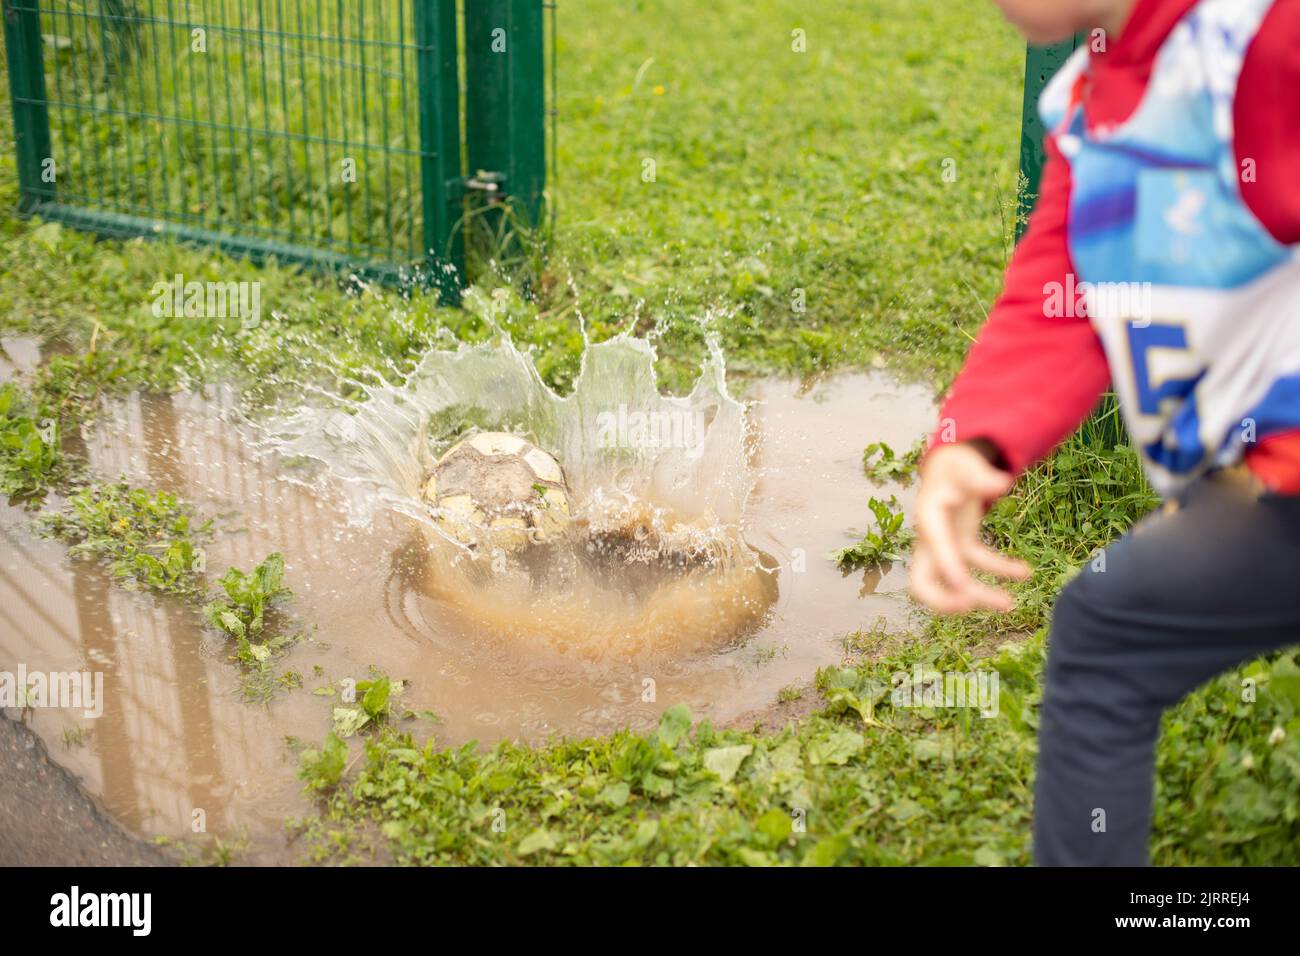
pixel 176 737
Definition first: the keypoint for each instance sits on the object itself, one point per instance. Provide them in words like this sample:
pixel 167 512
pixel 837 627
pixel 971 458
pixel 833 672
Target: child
pixel 1173 179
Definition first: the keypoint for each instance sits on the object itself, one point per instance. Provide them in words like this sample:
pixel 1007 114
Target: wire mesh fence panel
pixel 317 131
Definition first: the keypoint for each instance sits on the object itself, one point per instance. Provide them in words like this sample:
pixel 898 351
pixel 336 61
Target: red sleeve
pixel 1266 126
pixel 1030 379
pixel 1267 122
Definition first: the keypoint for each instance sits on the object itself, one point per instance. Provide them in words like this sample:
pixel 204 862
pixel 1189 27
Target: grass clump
pixel 240 612
pixel 322 769
pixel 889 542
pixel 30 458
pixel 149 539
pixel 375 698
pixel 882 463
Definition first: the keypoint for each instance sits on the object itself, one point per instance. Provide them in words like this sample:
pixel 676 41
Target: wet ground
pixel 47 818
pixel 177 748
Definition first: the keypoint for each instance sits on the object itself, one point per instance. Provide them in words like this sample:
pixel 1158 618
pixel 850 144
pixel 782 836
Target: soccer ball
pixel 499 491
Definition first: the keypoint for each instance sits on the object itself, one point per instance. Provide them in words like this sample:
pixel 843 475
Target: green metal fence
pixel 323 133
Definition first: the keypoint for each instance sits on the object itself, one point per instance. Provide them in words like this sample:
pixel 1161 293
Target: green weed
pixel 149 539
pixel 373 709
pixel 322 770
pixel 881 463
pixel 30 459
pixel 889 542
pixel 240 612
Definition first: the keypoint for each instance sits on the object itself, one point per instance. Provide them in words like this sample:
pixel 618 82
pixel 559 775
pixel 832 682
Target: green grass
pixel 148 540
pixel 861 782
pixel 240 611
pixel 795 194
pixel 888 542
pixel 779 171
pixel 799 209
pixel 881 463
pixel 30 456
pixel 906 787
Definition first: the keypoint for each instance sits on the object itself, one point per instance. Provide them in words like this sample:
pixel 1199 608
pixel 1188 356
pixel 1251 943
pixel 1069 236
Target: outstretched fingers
pixel 929 588
pixel 934 521
pixel 994 562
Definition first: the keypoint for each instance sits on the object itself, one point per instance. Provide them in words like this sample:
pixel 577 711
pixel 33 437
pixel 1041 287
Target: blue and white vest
pixel 1196 304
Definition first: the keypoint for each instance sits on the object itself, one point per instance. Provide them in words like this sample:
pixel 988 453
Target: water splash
pixel 655 561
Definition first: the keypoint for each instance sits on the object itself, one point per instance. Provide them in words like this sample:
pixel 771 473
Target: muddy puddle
pixel 175 737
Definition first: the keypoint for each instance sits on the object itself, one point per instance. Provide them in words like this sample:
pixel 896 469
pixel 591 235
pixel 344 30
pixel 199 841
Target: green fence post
pixel 27 91
pixel 1041 62
pixel 505 101
pixel 440 173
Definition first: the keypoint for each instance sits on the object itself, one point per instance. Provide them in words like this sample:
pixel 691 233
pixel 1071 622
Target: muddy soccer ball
pixel 498 491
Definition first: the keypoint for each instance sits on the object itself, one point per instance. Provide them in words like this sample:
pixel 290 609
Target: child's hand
pixel 957 485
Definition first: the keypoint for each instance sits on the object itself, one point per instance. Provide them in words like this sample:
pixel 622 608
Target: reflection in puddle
pixel 872 577
pixel 175 738
pixel 19 356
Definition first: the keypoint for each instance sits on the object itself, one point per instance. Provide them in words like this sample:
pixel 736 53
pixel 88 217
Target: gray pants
pixel 1211 580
